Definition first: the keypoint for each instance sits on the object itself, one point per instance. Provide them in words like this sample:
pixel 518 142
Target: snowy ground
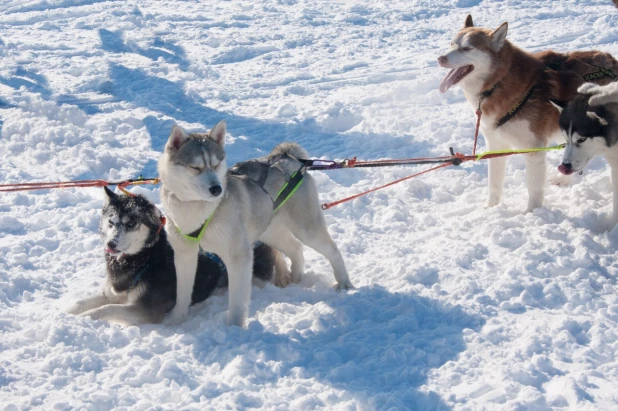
pixel 457 306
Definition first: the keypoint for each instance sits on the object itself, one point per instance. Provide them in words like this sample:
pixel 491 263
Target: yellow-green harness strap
pixel 288 189
pixel 197 235
pixel 528 150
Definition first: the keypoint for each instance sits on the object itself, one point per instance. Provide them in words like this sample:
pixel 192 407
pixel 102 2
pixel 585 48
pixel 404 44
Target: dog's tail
pixel 293 149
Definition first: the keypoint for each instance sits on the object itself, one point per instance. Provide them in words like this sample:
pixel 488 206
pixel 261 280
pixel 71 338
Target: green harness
pixel 257 172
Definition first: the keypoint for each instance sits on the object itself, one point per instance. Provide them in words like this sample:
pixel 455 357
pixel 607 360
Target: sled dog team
pixel 251 214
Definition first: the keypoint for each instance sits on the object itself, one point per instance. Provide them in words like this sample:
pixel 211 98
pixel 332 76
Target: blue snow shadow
pixel 168 51
pixel 32 81
pixel 253 137
pixel 376 345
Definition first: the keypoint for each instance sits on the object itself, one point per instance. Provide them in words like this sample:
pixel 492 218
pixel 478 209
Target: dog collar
pixel 163 221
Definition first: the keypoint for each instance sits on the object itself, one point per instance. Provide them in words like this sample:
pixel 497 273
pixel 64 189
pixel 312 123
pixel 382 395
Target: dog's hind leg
pixel 280 237
pixel 239 262
pixel 92 302
pixel 536 169
pixel 315 234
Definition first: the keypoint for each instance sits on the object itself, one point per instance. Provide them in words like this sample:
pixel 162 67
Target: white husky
pixel 227 213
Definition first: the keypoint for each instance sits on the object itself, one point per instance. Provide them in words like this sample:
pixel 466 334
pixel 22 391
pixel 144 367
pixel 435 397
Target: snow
pixel 456 307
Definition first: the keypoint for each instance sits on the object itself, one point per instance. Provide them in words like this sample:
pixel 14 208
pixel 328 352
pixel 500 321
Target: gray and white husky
pixel 591 130
pixel 233 212
pixel 141 280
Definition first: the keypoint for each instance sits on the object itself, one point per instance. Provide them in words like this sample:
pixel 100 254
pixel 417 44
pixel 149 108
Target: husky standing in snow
pixel 512 88
pixel 591 131
pixel 141 280
pixel 226 213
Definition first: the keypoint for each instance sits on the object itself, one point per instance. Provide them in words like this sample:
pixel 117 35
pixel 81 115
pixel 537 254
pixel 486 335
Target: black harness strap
pixel 489 92
pixel 258 172
pixel 555 66
pixel 603 72
pixel 515 109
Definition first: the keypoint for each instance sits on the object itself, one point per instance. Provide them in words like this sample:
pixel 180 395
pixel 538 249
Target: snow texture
pixel 457 306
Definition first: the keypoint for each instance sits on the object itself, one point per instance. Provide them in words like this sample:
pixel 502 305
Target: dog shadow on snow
pixel 376 345
pixel 252 137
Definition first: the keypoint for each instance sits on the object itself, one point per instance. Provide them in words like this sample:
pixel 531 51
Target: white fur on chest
pixel 187 216
pixel 516 134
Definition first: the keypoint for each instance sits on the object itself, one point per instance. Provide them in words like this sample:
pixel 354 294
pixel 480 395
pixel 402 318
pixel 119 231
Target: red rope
pixel 478 125
pixel 326 206
pixel 7 188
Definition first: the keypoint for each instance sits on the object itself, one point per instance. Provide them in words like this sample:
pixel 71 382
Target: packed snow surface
pixel 457 306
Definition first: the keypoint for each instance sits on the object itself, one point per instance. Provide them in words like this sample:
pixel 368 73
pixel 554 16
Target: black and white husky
pixel 141 278
pixel 226 214
pixel 591 130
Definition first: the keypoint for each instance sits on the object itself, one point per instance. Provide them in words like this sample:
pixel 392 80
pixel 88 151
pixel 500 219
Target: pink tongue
pixel 449 80
pixel 564 170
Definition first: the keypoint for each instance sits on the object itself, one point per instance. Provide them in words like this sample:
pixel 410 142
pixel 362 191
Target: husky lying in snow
pixel 591 129
pixel 513 88
pixel 227 213
pixel 141 280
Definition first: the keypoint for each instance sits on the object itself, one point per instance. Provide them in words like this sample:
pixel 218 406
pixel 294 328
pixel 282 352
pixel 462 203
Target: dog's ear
pixel 218 133
pixel 177 138
pixel 560 105
pixel 108 197
pixel 595 116
pixel 468 22
pixel 498 37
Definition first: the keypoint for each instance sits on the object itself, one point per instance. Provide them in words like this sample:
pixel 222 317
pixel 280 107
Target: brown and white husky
pixel 512 88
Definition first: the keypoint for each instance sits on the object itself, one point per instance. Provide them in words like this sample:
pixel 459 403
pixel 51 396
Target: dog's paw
pixel 531 207
pixel 177 316
pixel 282 277
pixel 235 319
pixel 492 202
pixel 345 286
pixel 561 180
pixel 75 309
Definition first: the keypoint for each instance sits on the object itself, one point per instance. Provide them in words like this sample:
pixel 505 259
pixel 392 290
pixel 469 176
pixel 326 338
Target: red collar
pixel 163 221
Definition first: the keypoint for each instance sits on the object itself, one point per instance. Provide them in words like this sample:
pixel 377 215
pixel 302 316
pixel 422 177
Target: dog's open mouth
pixel 454 76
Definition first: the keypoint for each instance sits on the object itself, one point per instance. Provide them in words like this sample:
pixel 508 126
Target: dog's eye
pixel 466 48
pixel 581 140
pixel 130 225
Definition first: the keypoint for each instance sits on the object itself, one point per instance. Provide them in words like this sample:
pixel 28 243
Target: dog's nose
pixel 215 190
pixel 565 168
pixel 442 60
pixel 112 245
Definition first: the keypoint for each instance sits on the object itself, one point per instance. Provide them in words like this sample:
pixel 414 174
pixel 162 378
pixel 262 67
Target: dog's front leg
pixel 92 302
pixel 613 163
pixel 239 262
pixel 495 173
pixel 123 314
pixel 185 262
pixel 536 170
